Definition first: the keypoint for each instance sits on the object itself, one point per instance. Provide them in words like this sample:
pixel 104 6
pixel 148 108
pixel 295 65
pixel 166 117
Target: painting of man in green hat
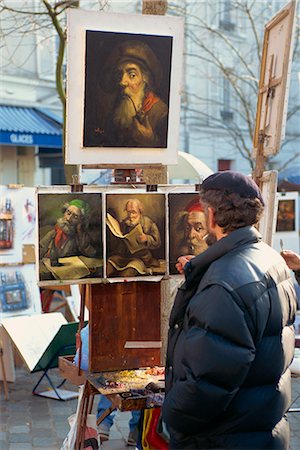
pixel 69 235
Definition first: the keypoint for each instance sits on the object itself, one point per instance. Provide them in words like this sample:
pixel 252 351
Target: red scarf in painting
pixel 60 237
pixel 149 100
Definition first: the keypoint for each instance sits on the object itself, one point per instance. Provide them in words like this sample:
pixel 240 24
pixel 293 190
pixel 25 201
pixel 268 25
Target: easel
pixel 111 297
pixel 85 295
pixel 86 404
pixel 262 136
pixel 273 57
pixel 65 334
pixel 152 176
pixel 87 400
pixel 4 381
pixel 47 295
pixel 285 18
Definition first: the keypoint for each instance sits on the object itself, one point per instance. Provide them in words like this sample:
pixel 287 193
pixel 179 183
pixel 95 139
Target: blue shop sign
pixel 34 139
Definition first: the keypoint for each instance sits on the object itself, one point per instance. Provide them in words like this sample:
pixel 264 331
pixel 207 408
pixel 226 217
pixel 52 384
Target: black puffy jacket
pixel 231 341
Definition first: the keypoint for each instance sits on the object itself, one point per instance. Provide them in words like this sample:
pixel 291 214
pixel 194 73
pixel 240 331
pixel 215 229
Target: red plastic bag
pixel 155 441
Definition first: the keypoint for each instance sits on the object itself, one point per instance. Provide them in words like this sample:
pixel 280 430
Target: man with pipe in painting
pixel 140 117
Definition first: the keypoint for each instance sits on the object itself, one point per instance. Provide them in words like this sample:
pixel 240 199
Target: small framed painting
pixel 187 227
pixel 69 237
pixel 135 231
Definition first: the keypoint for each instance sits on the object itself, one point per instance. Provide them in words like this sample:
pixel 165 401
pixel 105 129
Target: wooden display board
pixel 124 326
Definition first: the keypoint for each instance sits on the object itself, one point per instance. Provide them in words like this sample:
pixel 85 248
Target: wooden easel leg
pixel 85 292
pixel 82 417
pixel 91 402
pixel 4 381
pixel 86 403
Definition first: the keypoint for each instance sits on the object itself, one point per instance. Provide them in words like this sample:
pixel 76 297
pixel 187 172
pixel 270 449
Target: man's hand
pixel 182 260
pixel 142 132
pixel 292 259
pixel 79 228
pixel 143 237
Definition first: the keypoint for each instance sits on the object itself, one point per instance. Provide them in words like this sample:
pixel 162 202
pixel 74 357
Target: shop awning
pixel 29 127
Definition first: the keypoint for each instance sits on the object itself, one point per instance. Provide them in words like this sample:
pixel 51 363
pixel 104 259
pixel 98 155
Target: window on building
pixel 52 158
pixel 224 164
pixel 226 112
pixel 45 55
pixel 45 47
pixel 226 19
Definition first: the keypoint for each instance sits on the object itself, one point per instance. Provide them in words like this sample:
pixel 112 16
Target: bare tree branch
pixel 215 56
pixel 288 162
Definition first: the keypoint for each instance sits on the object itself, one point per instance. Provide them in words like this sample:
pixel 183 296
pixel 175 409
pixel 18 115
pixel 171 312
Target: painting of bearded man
pixel 135 235
pixel 69 236
pixel 127 104
pixel 187 227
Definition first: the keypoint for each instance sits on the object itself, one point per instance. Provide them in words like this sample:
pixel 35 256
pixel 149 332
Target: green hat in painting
pixel 83 206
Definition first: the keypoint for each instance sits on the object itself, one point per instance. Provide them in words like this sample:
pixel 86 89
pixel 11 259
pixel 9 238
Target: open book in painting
pixel 132 238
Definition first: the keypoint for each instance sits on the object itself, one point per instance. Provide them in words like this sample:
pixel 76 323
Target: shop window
pixel 224 164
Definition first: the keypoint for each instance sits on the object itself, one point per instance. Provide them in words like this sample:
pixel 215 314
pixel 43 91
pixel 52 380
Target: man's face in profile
pixel 195 230
pixel 131 79
pixel 70 219
pixel 133 214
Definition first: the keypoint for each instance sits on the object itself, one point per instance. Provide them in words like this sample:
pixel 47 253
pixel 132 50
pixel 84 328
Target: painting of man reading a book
pixel 70 243
pixel 135 235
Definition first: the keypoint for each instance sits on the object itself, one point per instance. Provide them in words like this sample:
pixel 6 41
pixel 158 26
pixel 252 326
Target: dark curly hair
pixel 231 210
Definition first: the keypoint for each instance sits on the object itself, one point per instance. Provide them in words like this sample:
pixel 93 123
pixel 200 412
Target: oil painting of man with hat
pixel 126 102
pixel 69 235
pixel 188 231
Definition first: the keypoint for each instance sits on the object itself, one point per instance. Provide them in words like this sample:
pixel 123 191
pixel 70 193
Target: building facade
pixel 223 43
pixel 223 47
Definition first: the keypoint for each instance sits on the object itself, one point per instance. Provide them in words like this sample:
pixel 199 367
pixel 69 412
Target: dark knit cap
pixel 232 183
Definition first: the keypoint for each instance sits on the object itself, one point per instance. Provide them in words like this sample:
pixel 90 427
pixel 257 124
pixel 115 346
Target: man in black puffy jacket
pixel 231 336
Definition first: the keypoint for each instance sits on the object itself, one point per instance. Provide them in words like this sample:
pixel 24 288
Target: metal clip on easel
pixel 151 187
pixel 75 186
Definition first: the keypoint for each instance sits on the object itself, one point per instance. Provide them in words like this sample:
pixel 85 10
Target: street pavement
pixel 29 422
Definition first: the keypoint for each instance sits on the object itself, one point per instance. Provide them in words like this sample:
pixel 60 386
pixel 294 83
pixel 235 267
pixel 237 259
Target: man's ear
pixel 211 218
